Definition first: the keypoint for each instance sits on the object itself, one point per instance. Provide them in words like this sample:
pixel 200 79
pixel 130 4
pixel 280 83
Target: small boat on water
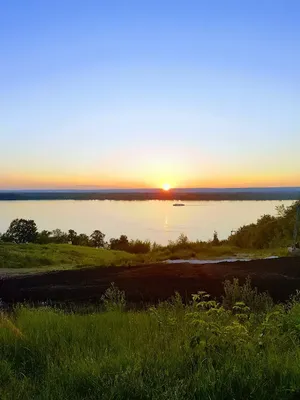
pixel 178 204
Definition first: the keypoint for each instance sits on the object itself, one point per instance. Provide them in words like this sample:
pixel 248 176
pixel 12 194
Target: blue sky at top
pixel 138 93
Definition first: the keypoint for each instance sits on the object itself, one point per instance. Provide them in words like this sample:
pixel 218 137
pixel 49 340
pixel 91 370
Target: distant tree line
pixel 172 194
pixel 25 231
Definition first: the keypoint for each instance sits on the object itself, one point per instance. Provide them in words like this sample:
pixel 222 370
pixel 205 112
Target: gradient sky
pixel 137 93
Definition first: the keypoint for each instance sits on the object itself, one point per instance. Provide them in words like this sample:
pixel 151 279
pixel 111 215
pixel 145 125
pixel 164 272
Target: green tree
pixel 43 237
pixel 82 240
pixel 5 238
pixel 97 238
pixel 22 231
pixel 215 241
pixel 119 244
pixel 72 236
pixel 58 236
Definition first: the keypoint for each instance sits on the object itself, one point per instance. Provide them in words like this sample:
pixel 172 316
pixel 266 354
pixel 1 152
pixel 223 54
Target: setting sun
pixel 166 186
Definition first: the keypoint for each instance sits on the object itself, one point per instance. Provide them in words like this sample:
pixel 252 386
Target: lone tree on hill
pixel 22 231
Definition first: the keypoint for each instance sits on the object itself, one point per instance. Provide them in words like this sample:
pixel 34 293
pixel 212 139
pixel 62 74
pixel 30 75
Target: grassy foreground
pixel 204 350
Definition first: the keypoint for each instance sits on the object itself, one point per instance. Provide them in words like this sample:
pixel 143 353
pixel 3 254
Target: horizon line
pixel 97 188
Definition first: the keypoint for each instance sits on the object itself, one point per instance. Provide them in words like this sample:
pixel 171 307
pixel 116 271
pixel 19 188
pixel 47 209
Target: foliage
pixel 21 231
pixel 114 299
pixel 59 237
pixel 132 246
pixel 215 241
pixel 43 237
pixel 201 350
pixel 139 246
pixel 246 294
pixel 97 238
pixel 83 240
pixel 119 244
pixel 268 231
pixel 72 236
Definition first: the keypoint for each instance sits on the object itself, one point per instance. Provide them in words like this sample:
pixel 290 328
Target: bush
pixel 114 299
pixel 234 293
pixel 132 246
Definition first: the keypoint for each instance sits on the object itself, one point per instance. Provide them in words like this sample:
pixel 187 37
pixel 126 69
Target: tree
pixel 132 246
pixel 82 240
pixel 58 236
pixel 215 241
pixel 22 231
pixel 97 238
pixel 5 238
pixel 182 240
pixel 44 237
pixel 119 244
pixel 72 236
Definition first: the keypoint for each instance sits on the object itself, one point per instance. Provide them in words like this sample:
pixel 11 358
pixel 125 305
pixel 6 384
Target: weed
pixel 234 293
pixel 114 299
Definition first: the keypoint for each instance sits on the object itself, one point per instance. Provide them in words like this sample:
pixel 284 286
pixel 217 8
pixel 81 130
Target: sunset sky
pixel 140 93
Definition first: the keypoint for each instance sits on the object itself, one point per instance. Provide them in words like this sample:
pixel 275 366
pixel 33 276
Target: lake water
pixel 155 220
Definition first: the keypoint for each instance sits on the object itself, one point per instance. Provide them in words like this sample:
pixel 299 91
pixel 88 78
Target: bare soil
pixel 152 283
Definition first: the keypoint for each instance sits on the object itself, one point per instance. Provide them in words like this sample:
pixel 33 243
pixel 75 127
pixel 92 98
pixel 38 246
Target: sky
pixel 135 94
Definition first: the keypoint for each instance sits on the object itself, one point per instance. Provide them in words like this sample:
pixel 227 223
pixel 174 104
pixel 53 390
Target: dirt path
pixel 150 283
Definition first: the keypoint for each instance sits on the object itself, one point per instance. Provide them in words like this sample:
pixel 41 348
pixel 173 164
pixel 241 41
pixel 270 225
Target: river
pixel 155 220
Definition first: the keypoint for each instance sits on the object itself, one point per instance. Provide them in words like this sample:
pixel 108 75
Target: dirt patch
pixel 151 283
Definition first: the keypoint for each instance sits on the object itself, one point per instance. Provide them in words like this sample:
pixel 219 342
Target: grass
pixel 25 258
pixel 244 350
pixel 58 256
pixel 215 252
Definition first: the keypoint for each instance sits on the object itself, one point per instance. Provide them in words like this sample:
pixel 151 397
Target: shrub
pixel 215 241
pixel 114 299
pixel 235 293
pixel 132 246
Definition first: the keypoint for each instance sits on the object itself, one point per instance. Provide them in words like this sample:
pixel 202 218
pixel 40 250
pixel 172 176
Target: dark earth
pixel 151 283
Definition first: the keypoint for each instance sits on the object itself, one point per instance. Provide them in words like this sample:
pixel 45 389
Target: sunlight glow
pixel 166 186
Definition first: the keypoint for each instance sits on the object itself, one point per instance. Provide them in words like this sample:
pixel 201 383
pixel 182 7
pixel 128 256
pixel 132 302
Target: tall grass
pixel 204 350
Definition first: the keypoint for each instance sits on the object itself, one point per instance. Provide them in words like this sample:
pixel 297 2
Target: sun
pixel 166 186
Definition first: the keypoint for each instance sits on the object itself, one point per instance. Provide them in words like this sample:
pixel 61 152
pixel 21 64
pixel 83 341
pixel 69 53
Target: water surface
pixel 155 220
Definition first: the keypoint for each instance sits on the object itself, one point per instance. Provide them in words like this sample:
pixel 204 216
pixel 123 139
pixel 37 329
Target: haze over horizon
pixel 149 189
pixel 113 95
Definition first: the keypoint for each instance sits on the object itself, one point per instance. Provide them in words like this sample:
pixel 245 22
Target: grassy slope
pixel 170 352
pixel 58 256
pixel 34 257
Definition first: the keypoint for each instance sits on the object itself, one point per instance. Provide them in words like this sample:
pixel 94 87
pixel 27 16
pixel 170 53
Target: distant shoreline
pixel 157 194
